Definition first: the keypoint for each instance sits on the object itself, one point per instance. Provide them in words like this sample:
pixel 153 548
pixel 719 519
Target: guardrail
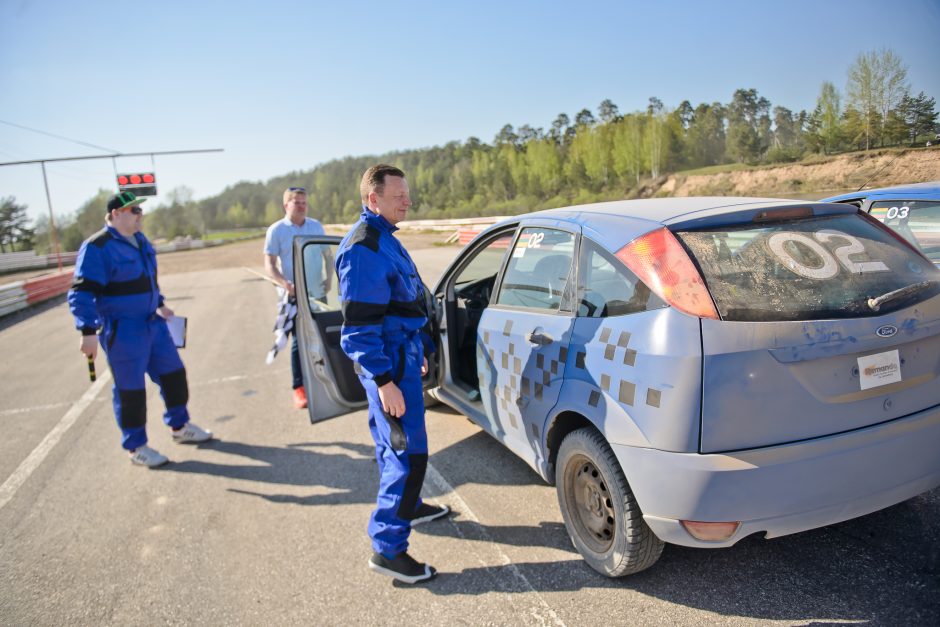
pixel 46 287
pixel 12 298
pixel 28 260
pixel 450 224
pixel 22 294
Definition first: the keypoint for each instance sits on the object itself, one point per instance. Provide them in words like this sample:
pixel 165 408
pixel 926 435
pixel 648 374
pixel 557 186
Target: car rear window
pixel 809 269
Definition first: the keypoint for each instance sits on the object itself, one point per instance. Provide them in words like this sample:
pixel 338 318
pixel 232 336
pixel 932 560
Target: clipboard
pixel 177 327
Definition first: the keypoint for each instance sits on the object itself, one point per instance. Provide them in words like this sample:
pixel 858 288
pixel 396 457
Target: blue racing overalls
pixel 384 320
pixel 115 290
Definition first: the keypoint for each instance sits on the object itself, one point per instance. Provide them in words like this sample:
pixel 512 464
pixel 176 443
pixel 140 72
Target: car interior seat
pixel 552 271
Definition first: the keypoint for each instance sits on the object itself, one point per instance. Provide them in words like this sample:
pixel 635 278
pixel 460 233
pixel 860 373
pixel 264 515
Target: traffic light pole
pixel 114 155
pixel 52 229
pixel 45 181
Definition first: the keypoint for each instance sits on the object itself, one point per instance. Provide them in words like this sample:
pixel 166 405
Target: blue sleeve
pixel 429 348
pixel 91 275
pixel 152 253
pixel 365 294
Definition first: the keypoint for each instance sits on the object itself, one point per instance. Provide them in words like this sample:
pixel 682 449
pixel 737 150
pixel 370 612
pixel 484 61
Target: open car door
pixel 332 385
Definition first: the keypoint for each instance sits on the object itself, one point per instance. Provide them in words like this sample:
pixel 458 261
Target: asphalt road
pixel 266 524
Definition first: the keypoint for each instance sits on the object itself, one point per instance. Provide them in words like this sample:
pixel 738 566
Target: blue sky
pixel 284 86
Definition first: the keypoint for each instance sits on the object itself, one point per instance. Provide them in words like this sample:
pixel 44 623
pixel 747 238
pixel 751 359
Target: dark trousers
pixel 295 371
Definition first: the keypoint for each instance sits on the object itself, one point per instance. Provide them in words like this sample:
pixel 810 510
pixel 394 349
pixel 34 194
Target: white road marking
pixel 460 505
pixel 31 463
pixel 26 410
pixel 240 377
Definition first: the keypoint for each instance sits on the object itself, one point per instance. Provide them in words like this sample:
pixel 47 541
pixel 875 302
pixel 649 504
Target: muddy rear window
pixel 826 267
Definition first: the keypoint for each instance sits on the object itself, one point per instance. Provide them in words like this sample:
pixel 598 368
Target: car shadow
pixel 883 568
pixel 461 463
pixel 853 571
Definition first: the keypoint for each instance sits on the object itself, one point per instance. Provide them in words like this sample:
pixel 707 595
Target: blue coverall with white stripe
pixel 384 320
pixel 115 290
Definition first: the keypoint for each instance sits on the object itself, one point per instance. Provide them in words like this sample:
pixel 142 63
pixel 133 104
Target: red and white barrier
pixel 46 287
pixel 22 294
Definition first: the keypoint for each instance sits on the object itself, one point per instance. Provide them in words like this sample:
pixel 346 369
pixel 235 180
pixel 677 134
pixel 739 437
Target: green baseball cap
pixel 123 199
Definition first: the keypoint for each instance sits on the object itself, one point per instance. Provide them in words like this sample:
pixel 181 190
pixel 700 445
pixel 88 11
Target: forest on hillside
pixel 593 155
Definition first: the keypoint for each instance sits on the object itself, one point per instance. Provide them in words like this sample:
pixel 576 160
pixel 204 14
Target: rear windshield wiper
pixel 910 290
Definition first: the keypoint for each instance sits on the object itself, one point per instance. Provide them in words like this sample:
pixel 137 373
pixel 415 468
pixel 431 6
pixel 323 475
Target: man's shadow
pixel 346 468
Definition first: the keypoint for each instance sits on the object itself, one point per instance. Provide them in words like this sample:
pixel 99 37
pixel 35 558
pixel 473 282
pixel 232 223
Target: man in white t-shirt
pixel 279 263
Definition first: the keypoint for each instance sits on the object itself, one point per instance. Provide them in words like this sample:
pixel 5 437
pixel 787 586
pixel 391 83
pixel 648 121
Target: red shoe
pixel 300 398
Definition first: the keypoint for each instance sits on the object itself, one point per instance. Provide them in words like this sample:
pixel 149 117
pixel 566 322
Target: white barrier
pixel 28 259
pixel 449 224
pixel 12 298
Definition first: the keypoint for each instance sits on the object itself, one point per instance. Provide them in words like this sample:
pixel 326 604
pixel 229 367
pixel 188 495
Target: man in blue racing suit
pixel 384 319
pixel 115 290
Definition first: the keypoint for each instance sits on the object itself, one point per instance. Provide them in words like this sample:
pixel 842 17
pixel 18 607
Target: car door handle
pixel 537 338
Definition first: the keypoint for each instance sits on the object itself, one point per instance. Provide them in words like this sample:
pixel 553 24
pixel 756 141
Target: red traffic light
pixel 140 183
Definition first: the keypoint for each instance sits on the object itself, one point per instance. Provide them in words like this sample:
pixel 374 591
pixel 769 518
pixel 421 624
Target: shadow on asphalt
pixel 16 317
pixel 862 570
pixel 351 472
pixel 883 568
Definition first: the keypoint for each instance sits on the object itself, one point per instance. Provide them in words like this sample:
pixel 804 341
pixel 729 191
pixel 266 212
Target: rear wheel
pixel 601 514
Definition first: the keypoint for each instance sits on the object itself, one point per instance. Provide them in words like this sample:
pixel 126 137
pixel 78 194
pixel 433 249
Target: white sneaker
pixel 191 433
pixel 146 456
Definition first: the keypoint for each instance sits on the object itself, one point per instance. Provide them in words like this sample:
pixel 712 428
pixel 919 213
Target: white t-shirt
pixel 279 241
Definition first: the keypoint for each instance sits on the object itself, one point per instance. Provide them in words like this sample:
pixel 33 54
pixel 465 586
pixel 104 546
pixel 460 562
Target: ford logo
pixel 886 330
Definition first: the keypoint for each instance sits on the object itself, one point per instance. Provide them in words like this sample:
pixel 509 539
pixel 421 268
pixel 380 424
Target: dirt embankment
pixel 808 179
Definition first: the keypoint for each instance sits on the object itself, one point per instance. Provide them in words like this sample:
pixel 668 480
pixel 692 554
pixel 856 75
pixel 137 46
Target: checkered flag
pixel 283 324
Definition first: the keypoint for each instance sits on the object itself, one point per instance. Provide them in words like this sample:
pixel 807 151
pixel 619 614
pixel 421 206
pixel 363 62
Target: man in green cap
pixel 115 297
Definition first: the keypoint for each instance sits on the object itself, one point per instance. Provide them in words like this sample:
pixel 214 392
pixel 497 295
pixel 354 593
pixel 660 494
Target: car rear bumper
pixel 789 488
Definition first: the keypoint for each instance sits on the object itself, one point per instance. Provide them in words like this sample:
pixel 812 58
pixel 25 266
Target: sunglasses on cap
pixel 297 189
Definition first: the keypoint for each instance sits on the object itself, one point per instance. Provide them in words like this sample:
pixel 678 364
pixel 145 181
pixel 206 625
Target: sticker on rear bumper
pixel 879 369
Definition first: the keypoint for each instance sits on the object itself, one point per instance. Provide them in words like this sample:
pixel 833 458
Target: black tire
pixel 601 514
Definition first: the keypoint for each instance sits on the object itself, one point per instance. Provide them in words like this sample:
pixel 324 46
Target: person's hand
pixel 164 312
pixel 424 367
pixel 89 346
pixel 392 400
pixel 327 284
pixel 289 286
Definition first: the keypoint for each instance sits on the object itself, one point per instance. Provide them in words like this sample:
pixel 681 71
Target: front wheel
pixel 601 514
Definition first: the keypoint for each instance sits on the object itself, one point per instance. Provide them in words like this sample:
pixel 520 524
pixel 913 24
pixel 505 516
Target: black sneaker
pixel 427 513
pixel 402 567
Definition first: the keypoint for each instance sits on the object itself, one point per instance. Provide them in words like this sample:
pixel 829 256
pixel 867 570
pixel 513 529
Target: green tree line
pixel 596 155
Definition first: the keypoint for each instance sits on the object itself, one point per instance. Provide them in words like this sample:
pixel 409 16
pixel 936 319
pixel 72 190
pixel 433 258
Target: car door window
pixel 473 288
pixel 320 278
pixel 918 221
pixel 485 264
pixel 608 288
pixel 537 274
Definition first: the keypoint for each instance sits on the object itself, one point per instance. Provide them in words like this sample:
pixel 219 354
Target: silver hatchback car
pixel 687 371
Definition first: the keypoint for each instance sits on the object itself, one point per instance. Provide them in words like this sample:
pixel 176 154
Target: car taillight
pixel 660 261
pixel 710 531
